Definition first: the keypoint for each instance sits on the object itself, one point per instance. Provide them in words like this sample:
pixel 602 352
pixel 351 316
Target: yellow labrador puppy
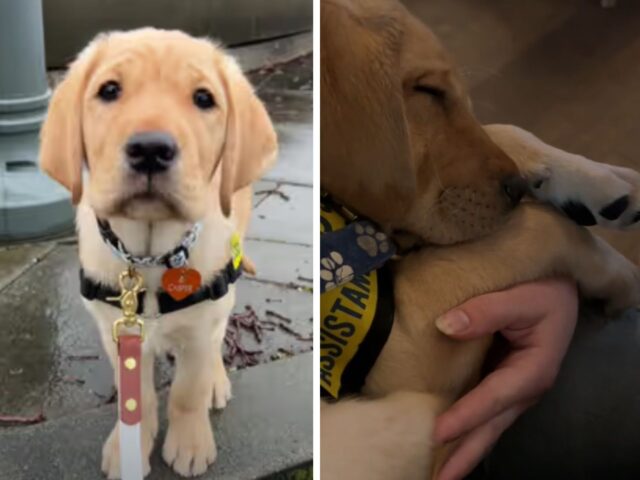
pixel 152 132
pixel 400 146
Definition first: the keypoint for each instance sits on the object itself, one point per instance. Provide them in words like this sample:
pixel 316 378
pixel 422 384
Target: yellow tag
pixel 236 250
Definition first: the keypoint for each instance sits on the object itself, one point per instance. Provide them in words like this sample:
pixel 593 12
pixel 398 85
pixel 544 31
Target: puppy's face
pixel 399 141
pixel 155 113
pixel 154 116
pixel 465 183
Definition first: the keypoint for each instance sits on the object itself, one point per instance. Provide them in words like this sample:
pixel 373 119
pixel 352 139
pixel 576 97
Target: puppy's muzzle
pixel 150 153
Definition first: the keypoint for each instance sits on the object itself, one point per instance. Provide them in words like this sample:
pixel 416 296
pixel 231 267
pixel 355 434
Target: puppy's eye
pixel 110 91
pixel 435 92
pixel 203 99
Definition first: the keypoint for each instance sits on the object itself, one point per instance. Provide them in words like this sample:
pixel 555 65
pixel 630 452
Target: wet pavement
pixel 264 430
pixel 51 361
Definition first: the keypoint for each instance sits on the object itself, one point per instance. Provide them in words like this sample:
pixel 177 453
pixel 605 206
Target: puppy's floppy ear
pixel 364 136
pixel 61 143
pixel 251 143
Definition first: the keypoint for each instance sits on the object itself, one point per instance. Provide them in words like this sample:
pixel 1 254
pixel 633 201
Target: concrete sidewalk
pixel 51 361
pixel 266 428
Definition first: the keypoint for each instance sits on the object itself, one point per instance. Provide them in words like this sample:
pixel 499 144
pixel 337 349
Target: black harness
pixel 215 289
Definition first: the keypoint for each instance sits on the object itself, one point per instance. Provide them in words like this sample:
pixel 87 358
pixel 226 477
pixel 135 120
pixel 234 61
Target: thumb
pixel 486 314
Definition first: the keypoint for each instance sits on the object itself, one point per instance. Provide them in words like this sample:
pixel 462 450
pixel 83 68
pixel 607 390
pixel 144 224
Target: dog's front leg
pixel 189 446
pixel 149 424
pixel 378 438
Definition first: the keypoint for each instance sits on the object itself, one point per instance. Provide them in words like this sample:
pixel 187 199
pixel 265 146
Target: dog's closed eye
pixel 430 90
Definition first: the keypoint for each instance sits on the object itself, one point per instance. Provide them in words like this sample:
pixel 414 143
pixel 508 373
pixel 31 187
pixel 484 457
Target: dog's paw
pixel 590 193
pixel 111 452
pixel 221 389
pixel 189 447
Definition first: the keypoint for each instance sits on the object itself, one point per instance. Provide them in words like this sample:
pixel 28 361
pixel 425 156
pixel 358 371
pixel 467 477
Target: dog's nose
pixel 514 188
pixel 151 152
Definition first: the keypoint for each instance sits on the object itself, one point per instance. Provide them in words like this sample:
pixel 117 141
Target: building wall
pixel 70 24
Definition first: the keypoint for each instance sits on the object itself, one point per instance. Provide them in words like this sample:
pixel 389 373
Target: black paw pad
pixel 579 213
pixel 615 208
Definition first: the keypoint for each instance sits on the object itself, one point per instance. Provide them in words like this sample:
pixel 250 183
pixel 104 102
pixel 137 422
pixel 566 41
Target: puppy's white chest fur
pixel 208 255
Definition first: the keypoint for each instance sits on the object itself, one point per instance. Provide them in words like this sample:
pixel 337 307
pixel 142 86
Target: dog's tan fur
pixel 420 163
pixel 222 152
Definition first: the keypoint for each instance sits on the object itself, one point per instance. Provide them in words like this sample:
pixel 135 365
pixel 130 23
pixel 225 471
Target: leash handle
pixel 130 406
pixel 129 375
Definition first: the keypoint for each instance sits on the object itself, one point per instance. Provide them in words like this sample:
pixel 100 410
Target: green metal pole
pixel 31 205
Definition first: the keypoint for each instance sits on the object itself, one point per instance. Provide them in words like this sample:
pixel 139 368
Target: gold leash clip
pixel 130 285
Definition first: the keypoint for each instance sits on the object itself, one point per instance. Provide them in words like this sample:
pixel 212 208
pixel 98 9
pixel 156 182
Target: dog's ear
pixel 251 142
pixel 363 125
pixel 61 144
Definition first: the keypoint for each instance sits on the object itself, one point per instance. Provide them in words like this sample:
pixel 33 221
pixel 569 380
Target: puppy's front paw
pixel 111 452
pixel 590 193
pixel 189 447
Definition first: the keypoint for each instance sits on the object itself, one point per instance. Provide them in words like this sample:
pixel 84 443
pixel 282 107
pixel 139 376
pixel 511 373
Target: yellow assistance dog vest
pixel 356 319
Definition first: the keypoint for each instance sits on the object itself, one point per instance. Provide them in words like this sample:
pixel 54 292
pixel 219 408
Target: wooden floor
pixel 567 70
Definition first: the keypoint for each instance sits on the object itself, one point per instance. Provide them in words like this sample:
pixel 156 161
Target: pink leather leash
pixel 129 376
pixel 130 406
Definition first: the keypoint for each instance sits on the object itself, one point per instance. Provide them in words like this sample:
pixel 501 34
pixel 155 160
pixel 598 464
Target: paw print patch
pixel 349 250
pixel 371 240
pixel 333 271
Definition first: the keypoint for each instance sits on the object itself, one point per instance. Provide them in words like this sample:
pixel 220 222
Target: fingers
pixel 538 332
pixel 488 313
pixel 523 375
pixel 517 307
pixel 477 444
pixel 498 392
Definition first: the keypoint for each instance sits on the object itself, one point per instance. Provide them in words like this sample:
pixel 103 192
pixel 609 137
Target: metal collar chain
pixel 175 258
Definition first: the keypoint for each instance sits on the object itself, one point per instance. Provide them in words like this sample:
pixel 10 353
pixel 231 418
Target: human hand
pixel 537 320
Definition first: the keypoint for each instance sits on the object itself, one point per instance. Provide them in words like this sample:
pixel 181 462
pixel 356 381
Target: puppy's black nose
pixel 151 152
pixel 514 188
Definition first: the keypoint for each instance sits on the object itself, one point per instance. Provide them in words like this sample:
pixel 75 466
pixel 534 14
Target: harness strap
pixel 92 290
pixel 215 289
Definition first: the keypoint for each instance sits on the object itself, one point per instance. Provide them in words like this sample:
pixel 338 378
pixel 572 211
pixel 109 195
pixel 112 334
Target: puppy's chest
pixel 167 314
